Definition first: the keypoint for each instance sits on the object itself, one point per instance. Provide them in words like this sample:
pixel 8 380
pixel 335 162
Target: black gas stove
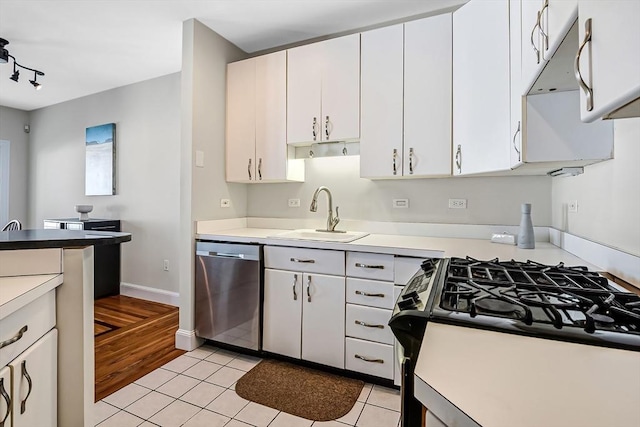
pixel 526 298
pixel 556 302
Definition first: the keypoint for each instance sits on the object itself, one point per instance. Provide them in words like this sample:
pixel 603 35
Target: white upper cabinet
pixel 556 18
pixel 323 91
pixel 406 100
pixel 610 59
pixel 531 40
pixel 382 103
pixel 256 122
pixel 481 95
pixel 517 54
pixel 427 96
pixel 241 133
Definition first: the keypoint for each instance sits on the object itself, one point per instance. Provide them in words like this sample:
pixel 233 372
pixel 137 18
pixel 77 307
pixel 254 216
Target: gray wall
pixel 12 123
pixel 490 200
pixel 147 117
pixel 204 69
pixel 607 194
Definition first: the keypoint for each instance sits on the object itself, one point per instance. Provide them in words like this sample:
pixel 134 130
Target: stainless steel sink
pixel 322 236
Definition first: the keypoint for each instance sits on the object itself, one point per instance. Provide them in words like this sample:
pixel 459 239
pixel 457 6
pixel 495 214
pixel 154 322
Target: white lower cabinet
pixel 369 357
pixel 6 397
pixel 304 311
pixel 34 390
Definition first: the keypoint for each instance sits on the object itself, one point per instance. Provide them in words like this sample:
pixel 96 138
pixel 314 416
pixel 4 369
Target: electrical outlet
pixel 401 203
pixel 225 203
pixel 294 203
pixel 572 206
pixel 166 265
pixel 457 203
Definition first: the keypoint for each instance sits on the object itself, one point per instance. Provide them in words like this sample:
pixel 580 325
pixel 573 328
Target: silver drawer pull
pixel 15 338
pixel 7 400
pixel 309 261
pixel 368 359
pixel 359 264
pixel 368 325
pixel 23 403
pixel 367 294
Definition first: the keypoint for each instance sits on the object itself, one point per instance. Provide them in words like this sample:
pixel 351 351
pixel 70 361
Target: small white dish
pixel 84 210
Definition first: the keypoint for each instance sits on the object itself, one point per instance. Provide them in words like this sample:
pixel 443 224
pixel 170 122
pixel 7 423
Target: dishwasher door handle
pixel 220 254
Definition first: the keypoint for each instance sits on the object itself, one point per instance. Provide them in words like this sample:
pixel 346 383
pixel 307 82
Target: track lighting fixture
pixel 4 58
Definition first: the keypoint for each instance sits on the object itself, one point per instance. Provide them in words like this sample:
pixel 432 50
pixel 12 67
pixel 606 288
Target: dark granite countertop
pixel 39 238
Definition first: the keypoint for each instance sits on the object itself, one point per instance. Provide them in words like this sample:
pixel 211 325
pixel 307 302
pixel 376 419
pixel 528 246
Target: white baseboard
pixel 187 340
pixel 150 294
pixel 614 261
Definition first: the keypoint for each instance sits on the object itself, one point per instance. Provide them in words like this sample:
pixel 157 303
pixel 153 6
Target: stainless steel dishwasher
pixel 228 293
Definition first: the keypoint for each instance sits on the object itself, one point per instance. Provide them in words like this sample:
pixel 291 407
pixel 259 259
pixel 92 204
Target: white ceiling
pixel 88 46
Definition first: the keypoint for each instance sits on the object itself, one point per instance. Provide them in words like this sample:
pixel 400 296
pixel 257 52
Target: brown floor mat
pixel 300 391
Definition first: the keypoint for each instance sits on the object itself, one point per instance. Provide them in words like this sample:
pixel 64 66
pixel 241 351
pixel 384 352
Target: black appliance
pixel 526 298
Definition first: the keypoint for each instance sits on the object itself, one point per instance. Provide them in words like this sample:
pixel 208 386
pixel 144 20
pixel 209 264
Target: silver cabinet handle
pixel 533 44
pixel 260 168
pixel 307 261
pixel 367 294
pixel 249 169
pixel 395 157
pixel 7 400
pixel 308 288
pixel 411 161
pixel 515 147
pixel 23 403
pixel 314 128
pixel 544 34
pixel 326 127
pixel 459 158
pixel 14 338
pixel 359 264
pixel 368 325
pixel 295 282
pixel 576 65
pixel 368 359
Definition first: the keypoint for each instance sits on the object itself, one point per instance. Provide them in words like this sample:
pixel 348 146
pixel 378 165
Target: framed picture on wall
pixel 100 160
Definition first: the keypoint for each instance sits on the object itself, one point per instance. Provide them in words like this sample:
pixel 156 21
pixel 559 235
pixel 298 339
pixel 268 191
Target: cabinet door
pixel 381 102
pixel 282 312
pixel 323 316
pixel 515 55
pixel 303 94
pixel 531 42
pixel 557 18
pixel 481 99
pixel 610 64
pixel 5 397
pixel 240 141
pixel 271 116
pixel 341 88
pixel 35 384
pixel 427 97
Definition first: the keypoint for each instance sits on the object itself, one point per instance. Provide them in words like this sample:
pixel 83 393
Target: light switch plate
pixel 199 158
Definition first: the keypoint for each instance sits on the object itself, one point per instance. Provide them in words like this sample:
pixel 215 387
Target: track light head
pixel 35 84
pixel 16 75
pixel 4 53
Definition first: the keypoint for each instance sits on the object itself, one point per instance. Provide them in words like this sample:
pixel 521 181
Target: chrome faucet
pixel 331 220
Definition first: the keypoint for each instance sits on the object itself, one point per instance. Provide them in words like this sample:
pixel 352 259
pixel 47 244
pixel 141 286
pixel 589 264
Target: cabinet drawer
pixel 369 358
pixel 39 316
pixel 369 323
pixel 370 266
pixel 304 260
pixel 370 292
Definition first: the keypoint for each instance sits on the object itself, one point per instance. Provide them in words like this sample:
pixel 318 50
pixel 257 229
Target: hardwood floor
pixel 132 338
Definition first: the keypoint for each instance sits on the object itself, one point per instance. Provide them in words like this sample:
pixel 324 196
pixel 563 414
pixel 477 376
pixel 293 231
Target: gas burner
pixel 462 290
pixel 551 299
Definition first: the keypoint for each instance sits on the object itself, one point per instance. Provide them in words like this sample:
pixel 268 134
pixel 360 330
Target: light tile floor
pixel 198 390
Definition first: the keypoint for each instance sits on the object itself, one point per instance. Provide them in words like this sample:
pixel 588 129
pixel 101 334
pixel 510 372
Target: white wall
pixel 204 69
pixel 608 195
pixel 147 117
pixel 12 123
pixel 490 200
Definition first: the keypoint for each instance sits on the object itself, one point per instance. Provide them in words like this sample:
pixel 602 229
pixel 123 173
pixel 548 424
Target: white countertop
pixel 501 379
pixel 416 246
pixel 18 291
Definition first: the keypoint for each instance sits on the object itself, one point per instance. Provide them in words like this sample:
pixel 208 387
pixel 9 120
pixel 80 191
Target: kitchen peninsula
pixel 65 258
